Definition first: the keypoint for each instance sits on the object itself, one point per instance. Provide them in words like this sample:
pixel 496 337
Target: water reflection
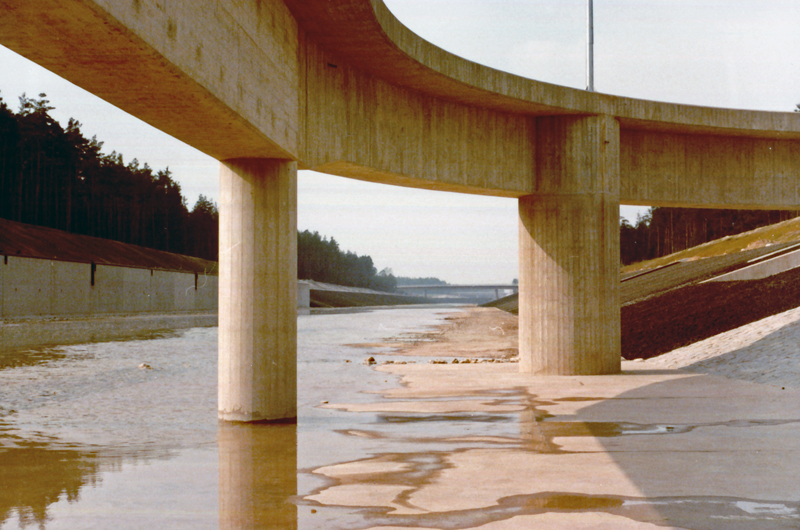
pixel 15 358
pixel 34 475
pixel 257 475
pixel 147 444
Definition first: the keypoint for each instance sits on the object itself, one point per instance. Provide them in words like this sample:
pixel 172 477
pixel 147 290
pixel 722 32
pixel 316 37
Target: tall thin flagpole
pixel 589 46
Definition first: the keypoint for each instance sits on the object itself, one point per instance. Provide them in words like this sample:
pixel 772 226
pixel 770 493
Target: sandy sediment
pixel 472 333
pixel 484 446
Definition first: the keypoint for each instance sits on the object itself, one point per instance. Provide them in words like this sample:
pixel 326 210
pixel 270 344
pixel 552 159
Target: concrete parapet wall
pixel 762 269
pixel 303 295
pixel 39 287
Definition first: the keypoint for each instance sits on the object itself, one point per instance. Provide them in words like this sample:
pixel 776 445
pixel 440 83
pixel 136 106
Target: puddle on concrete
pixel 433 418
pixel 697 513
pixel 555 429
pixel 533 423
pixel 534 430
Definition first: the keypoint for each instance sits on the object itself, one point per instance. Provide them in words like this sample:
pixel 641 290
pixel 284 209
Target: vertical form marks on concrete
pixel 569 305
pixel 258 290
pixel 569 250
pixel 672 169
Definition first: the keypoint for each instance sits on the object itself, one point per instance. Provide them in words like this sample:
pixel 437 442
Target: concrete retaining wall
pixel 39 287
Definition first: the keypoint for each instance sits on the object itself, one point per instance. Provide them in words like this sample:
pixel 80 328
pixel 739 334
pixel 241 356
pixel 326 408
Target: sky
pixel 720 53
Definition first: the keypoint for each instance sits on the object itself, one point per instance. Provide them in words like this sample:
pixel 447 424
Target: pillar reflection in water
pixel 257 475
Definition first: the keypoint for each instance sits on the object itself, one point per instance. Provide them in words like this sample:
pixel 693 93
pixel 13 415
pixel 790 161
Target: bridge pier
pixel 258 290
pixel 569 316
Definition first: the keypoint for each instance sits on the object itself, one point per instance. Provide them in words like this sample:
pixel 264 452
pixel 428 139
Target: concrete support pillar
pixel 258 290
pixel 569 315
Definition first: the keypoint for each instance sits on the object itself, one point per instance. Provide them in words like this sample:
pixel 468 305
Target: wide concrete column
pixel 258 290
pixel 569 315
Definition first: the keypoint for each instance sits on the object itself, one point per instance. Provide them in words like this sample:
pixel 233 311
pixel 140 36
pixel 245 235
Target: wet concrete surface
pixel 90 440
pixel 730 465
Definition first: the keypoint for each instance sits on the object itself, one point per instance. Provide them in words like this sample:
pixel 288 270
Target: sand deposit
pixel 472 333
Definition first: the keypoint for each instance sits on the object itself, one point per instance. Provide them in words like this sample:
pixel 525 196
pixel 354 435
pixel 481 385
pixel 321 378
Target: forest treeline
pixel 321 259
pixel 663 231
pixel 54 176
pixel 404 280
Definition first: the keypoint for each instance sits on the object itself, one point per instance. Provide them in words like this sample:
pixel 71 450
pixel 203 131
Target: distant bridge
pixel 424 289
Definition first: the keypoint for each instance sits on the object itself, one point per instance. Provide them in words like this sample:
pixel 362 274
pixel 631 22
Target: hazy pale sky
pixel 722 53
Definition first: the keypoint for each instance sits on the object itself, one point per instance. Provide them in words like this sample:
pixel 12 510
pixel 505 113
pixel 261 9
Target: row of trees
pixel 405 280
pixel 54 176
pixel 663 231
pixel 321 259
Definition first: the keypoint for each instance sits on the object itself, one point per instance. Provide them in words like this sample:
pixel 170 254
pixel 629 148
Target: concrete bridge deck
pixel 342 87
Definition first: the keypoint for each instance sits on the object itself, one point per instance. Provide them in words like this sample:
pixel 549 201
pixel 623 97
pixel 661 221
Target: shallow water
pixel 88 439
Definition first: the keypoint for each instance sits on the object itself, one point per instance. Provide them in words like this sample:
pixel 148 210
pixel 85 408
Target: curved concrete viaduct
pixel 342 87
